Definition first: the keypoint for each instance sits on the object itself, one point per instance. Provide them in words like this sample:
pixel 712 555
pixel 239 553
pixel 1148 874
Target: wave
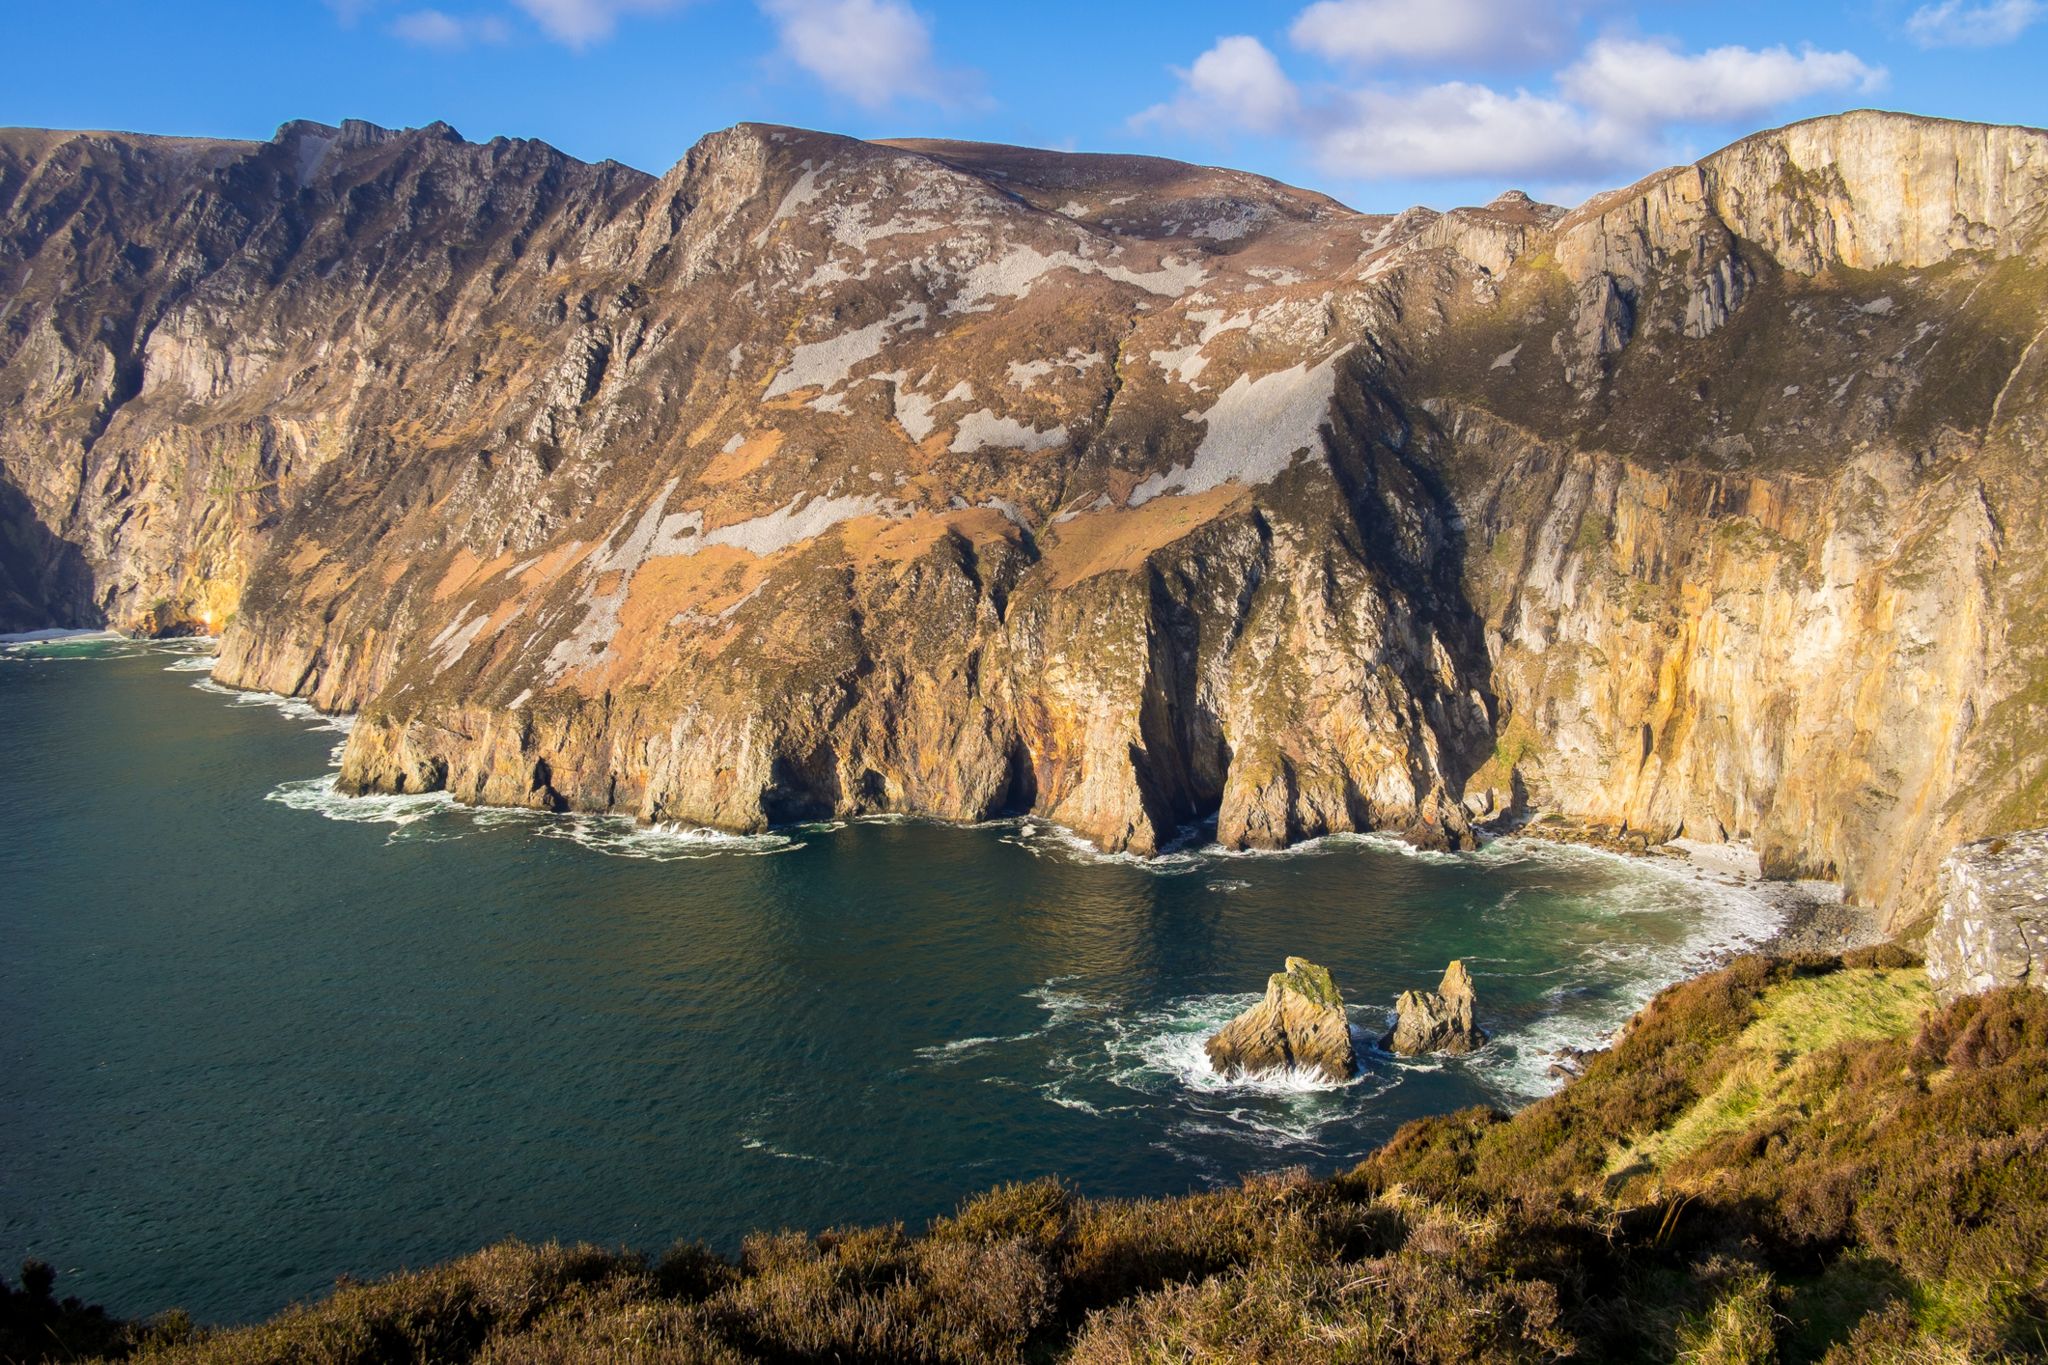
pixel 621 836
pixel 754 1144
pixel 959 1047
pixel 618 836
pixel 193 663
pixel 1042 839
pixel 319 796
pixel 296 708
pixel 1097 1057
pixel 1609 976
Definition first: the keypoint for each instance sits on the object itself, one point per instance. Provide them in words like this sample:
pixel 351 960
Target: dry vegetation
pixel 1853 1178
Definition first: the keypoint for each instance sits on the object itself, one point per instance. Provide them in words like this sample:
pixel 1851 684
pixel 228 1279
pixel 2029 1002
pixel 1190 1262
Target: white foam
pixel 194 663
pixel 319 795
pixel 754 1144
pixel 1041 838
pixel 296 708
pixel 943 1052
pixel 1614 976
pixel 1174 1043
pixel 621 836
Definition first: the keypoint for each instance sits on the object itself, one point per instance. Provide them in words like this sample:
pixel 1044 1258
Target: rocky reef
pixel 1992 929
pixel 824 477
pixel 1438 1020
pixel 1300 1026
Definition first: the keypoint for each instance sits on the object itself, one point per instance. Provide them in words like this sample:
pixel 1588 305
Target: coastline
pixel 1814 916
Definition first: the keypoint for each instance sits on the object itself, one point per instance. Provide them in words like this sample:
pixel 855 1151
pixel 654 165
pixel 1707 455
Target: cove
pixel 260 1035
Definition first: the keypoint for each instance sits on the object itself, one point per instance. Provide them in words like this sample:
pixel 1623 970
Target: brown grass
pixel 1119 540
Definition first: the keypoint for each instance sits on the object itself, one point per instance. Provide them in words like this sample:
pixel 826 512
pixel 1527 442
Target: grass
pixel 1800 1019
pixel 1843 1174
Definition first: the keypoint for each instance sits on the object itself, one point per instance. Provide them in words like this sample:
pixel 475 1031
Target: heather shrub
pixel 36 1325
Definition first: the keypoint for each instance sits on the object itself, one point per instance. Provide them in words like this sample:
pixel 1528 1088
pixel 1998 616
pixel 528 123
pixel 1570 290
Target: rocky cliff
pixel 822 476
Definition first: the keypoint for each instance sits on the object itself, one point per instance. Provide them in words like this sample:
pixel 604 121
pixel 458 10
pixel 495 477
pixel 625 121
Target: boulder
pixel 1992 928
pixel 1300 1025
pixel 1438 1020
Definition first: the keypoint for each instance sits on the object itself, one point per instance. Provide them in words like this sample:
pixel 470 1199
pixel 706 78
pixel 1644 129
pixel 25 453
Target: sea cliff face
pixel 823 477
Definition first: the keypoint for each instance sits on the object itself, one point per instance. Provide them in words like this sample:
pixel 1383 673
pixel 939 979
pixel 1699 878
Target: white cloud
pixel 1954 24
pixel 433 28
pixel 1641 81
pixel 1369 32
pixel 1237 84
pixel 1458 129
pixel 871 51
pixel 579 23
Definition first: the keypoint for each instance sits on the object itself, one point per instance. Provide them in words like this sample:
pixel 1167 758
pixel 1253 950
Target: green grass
pixel 1798 1020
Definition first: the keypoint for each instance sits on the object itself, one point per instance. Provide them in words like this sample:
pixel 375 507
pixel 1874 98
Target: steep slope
pixel 825 477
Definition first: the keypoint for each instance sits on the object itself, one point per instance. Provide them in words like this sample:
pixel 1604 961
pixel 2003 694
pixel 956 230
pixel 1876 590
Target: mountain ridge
pixel 825 477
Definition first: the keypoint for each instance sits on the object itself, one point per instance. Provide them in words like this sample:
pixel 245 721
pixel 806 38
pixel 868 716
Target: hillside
pixel 825 477
pixel 1794 1161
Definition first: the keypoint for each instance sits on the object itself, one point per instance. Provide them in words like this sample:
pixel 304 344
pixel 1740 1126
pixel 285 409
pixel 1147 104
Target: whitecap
pixel 754 1144
pixel 1172 1043
pixel 1614 976
pixel 943 1052
pixel 622 836
pixel 320 796
pixel 296 708
pixel 193 663
pixel 1041 838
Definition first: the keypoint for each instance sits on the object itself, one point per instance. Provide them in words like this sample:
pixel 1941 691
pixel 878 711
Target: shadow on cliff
pixel 1408 531
pixel 44 579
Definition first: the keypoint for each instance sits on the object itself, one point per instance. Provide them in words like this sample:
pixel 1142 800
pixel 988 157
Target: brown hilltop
pixel 829 476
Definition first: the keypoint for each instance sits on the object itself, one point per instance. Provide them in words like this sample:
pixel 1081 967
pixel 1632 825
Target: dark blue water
pixel 258 1036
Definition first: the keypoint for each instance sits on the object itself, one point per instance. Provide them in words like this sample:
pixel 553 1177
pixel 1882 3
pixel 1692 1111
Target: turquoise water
pixel 259 1036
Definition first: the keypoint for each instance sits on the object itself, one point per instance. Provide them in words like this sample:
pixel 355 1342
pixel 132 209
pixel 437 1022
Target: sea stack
pixel 1438 1020
pixel 1300 1025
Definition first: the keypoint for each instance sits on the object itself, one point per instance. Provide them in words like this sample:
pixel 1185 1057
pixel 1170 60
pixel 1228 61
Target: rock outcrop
pixel 822 477
pixel 1299 1026
pixel 1438 1020
pixel 1992 929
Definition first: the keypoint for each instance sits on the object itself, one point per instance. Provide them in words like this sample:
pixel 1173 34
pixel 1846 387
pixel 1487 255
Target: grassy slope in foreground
pixel 1789 1160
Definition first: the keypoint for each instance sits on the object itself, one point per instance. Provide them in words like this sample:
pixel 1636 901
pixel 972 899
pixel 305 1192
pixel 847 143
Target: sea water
pixel 259 1035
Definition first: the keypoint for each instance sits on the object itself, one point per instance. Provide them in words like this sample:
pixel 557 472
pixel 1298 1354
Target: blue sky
pixel 1382 103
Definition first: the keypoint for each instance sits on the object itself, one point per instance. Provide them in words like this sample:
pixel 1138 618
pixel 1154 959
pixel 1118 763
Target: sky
pixel 1381 103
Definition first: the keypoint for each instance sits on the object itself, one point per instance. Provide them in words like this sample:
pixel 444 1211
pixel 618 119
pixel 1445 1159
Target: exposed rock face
pixel 822 476
pixel 1438 1020
pixel 1299 1026
pixel 1992 929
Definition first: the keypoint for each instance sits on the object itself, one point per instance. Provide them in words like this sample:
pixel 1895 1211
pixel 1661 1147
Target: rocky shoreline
pixel 1815 916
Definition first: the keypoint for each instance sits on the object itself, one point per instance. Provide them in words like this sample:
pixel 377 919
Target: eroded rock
pixel 1992 929
pixel 1438 1020
pixel 1299 1026
pixel 823 478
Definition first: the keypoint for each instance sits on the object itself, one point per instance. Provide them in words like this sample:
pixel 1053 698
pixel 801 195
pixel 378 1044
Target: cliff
pixel 825 477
